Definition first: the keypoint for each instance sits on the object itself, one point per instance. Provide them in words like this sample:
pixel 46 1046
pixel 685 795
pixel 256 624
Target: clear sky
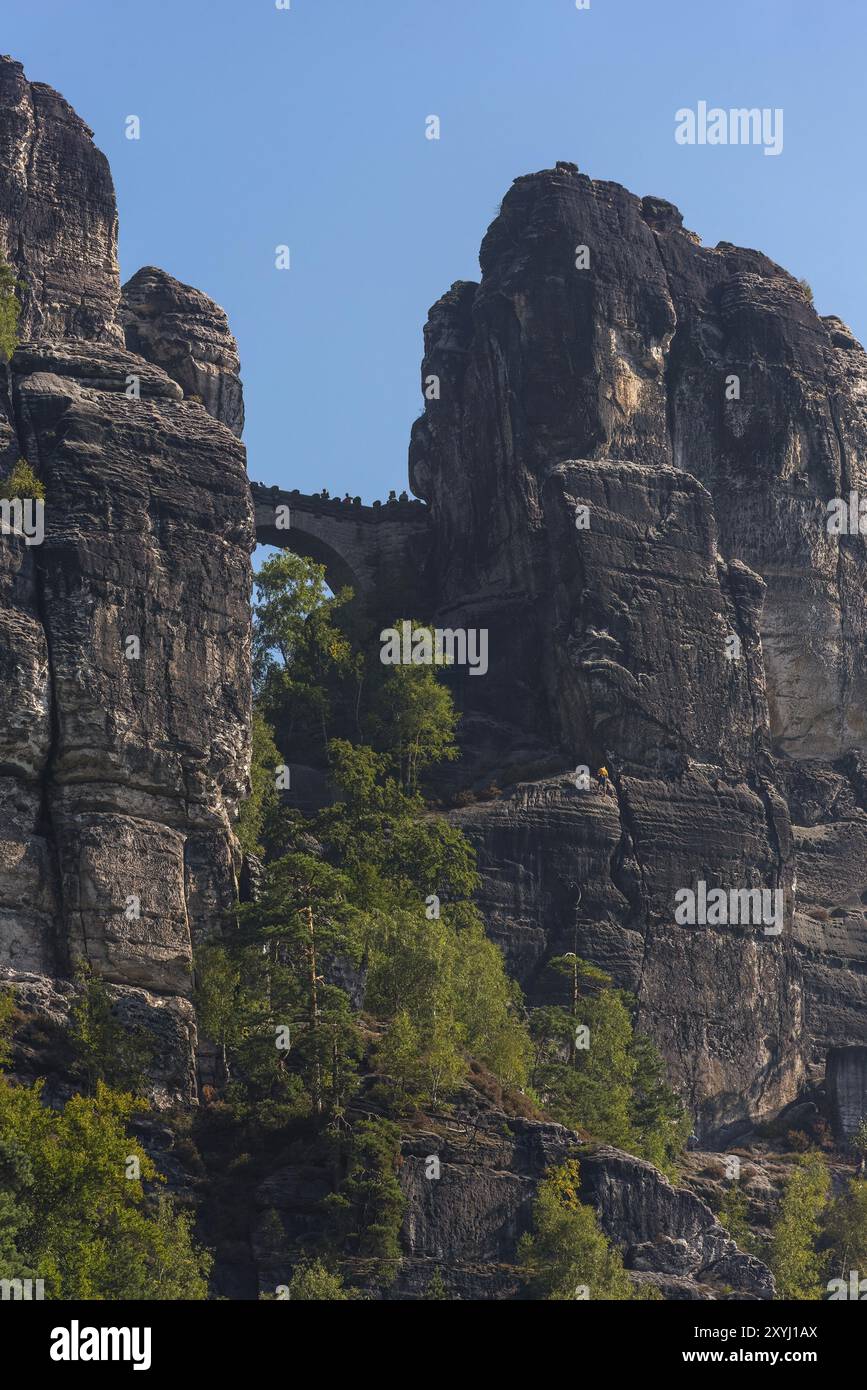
pixel 306 127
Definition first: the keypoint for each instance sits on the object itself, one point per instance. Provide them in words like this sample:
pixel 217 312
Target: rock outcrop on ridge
pixel 187 334
pixel 58 217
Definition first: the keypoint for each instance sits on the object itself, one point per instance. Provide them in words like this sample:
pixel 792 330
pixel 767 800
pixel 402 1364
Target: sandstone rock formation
pixel 187 334
pixel 58 219
pixel 471 1218
pixel 700 630
pixel 666 1230
pixel 124 636
pixel 624 477
pixel 626 469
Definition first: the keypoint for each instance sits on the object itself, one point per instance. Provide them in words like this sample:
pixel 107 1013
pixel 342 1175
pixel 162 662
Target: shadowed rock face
pixel 187 334
pixel 666 1230
pixel 470 1219
pixel 124 635
pixel 466 1218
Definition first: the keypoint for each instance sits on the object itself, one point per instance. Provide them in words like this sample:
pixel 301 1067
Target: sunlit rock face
pixel 183 331
pixel 627 464
pixel 602 329
pixel 58 218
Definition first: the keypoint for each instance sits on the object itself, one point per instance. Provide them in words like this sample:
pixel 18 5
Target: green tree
pixel 10 310
pixel 22 481
pixel 263 797
pixel 7 1016
pixel 312 1282
pixel 73 1211
pixel 846 1229
pixel 443 983
pixel 398 1056
pixel 593 1090
pixel 734 1215
pixel 304 914
pixel 409 876
pixel 417 720
pixel 594 1073
pixel 436 1291
pixel 859 1145
pixel 366 1212
pixel 795 1261
pixel 656 1114
pixel 567 1256
pixel 216 996
pixel 386 840
pixel 103 1049
pixel 300 655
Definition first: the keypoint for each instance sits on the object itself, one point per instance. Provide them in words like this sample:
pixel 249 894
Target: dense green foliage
pixel 594 1073
pixel 312 1282
pixel 377 890
pixel 734 1215
pixel 301 658
pixel 73 1208
pixel 22 482
pixel 366 1211
pixel 794 1257
pixel 104 1049
pixel 567 1257
pixel 263 799
pixel 374 886
pixel 845 1228
pixel 10 310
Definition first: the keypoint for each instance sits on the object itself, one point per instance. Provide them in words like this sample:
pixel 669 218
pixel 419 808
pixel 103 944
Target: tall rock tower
pixel 124 635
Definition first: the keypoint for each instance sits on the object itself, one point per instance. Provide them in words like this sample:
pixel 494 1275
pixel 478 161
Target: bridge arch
pixel 382 551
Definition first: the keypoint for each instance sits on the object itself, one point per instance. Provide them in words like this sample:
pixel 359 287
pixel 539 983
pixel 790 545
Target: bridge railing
pixel 394 508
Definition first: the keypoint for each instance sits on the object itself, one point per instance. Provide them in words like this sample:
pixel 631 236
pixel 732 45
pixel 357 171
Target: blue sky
pixel 306 127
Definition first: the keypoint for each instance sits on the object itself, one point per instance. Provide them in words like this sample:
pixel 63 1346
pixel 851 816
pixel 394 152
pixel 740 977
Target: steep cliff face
pixel 627 468
pixel 471 1218
pixel 124 635
pixel 58 219
pixel 601 329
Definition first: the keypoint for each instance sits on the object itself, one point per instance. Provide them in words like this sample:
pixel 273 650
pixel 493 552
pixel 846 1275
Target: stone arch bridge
pixel 382 551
